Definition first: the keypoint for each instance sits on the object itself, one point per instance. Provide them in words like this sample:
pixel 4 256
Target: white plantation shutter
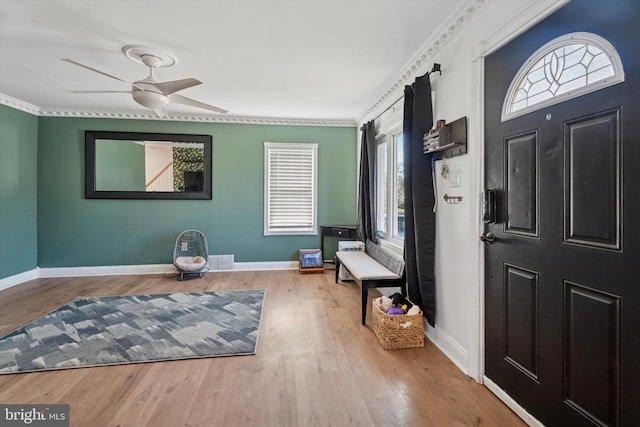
pixel 290 188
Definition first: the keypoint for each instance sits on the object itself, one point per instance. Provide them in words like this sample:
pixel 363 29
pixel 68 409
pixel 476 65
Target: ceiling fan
pixel 149 92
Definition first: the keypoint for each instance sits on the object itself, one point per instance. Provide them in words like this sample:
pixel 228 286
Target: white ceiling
pixel 299 59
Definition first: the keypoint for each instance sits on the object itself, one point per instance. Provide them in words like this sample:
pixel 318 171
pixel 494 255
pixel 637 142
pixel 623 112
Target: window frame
pixel 268 228
pixel 389 137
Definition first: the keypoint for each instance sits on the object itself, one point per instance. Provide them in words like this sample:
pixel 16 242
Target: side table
pixel 343 232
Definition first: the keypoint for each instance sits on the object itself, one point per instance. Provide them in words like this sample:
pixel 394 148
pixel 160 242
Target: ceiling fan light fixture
pixel 151 100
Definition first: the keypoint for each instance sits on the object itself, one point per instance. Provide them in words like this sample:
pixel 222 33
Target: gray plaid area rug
pixel 112 330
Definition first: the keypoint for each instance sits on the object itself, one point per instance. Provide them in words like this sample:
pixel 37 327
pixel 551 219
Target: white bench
pixel 374 268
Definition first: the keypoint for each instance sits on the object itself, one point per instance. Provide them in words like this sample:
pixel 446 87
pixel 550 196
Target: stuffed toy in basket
pixel 397 322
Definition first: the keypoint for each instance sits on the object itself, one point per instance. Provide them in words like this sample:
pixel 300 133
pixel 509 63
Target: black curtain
pixel 366 184
pixel 420 221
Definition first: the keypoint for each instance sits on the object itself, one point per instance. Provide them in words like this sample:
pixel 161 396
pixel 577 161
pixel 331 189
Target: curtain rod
pixel 434 69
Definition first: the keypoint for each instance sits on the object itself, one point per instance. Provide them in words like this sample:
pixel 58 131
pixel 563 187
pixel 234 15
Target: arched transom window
pixel 569 66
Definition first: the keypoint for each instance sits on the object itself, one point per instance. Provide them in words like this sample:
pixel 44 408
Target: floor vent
pixel 220 262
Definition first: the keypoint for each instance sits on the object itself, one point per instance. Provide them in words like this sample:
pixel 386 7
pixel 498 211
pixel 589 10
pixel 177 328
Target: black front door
pixel 562 285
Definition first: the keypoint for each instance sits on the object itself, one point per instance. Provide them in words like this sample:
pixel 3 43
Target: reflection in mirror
pixel 144 165
pixel 149 165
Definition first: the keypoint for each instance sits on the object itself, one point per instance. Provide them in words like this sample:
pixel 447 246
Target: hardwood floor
pixel 315 365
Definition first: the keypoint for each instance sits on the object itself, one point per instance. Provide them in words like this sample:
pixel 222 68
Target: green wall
pixel 74 231
pixel 18 192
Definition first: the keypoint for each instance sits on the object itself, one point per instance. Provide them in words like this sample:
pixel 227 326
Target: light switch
pixel 455 179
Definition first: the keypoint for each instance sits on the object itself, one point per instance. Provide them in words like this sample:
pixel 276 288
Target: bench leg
pixel 337 268
pixel 364 290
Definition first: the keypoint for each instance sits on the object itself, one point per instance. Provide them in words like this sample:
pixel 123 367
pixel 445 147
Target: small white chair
pixel 191 254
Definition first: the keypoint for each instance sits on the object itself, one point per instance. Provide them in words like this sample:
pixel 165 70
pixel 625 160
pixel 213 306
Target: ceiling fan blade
pixel 179 99
pixel 100 91
pixel 161 112
pixel 71 61
pixel 168 88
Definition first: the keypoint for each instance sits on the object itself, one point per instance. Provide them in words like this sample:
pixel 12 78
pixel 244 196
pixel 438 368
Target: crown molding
pixel 19 105
pixel 418 64
pixel 136 115
pixel 529 17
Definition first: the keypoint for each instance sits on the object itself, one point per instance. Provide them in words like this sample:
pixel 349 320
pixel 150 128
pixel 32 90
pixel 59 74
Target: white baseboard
pixel 449 347
pixel 17 279
pixel 115 270
pixel 512 404
pixel 105 270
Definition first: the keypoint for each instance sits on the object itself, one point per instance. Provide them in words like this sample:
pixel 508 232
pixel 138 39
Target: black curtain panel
pixel 420 220
pixel 366 184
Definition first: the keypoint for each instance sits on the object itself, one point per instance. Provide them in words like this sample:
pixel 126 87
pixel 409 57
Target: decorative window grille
pixel 290 187
pixel 567 67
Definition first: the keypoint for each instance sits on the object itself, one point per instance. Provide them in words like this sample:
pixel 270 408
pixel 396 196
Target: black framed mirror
pixel 138 165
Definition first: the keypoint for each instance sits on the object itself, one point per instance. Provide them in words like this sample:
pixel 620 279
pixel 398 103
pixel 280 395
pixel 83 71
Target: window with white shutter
pixel 290 182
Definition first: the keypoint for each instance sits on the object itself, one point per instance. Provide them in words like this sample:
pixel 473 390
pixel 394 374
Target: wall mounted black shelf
pixel 447 141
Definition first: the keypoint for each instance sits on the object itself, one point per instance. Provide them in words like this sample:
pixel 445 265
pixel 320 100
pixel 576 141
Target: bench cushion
pixel 363 267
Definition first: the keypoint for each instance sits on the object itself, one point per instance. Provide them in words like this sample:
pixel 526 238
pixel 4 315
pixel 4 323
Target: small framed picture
pixel 311 259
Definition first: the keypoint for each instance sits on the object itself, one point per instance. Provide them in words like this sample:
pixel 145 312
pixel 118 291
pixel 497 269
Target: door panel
pixel 592 180
pixel 562 286
pixel 592 352
pixel 521 326
pixel 521 184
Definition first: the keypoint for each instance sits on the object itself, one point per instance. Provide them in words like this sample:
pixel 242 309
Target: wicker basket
pixel 397 331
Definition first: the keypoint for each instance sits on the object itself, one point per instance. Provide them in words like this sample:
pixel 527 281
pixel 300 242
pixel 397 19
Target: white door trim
pixel 492 42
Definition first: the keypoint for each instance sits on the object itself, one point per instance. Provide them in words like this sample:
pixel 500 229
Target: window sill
pixel 395 246
pixel 290 232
